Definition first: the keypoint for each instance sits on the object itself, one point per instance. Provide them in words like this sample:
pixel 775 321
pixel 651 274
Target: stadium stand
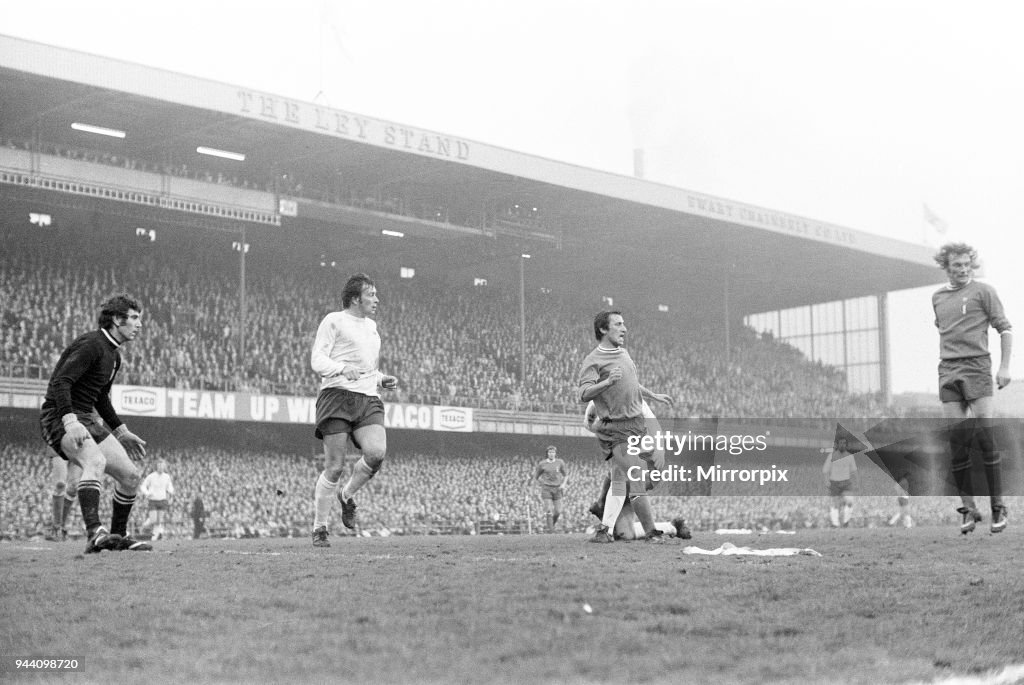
pixel 448 347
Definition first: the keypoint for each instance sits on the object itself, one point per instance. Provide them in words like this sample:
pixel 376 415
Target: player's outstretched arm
pixel 657 397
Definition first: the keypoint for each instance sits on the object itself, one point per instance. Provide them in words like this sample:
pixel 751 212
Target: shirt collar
pixel 950 286
pixel 110 338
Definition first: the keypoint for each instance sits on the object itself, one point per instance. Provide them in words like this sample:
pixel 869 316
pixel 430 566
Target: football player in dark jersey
pixel 79 389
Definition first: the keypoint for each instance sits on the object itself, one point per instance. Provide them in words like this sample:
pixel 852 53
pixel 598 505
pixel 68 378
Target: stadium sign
pixel 779 222
pixel 130 400
pixel 453 419
pixel 334 122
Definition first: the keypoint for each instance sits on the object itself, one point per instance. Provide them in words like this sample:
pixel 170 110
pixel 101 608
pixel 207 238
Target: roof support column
pixel 884 372
pixel 725 314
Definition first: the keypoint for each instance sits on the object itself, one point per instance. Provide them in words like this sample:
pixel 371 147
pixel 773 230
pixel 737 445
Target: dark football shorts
pixel 966 379
pixel 614 432
pixel 158 504
pixel 53 430
pixel 343 411
pixel 551 492
pixel 837 488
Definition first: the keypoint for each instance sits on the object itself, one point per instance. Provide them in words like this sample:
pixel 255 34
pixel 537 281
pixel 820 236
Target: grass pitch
pixel 880 606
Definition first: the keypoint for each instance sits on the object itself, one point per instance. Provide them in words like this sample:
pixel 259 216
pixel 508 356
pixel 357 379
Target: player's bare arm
pixel 1005 351
pixel 657 397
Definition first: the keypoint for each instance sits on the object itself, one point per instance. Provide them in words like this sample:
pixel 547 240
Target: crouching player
pixel 80 384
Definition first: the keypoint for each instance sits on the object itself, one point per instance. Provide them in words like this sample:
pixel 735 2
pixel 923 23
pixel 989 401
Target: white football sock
pixel 613 504
pixel 361 475
pixel 323 500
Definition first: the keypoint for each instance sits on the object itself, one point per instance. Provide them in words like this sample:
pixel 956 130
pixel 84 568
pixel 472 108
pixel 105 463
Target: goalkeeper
pixel 79 386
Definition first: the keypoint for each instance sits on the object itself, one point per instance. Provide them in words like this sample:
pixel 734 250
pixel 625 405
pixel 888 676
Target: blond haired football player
pixel 964 311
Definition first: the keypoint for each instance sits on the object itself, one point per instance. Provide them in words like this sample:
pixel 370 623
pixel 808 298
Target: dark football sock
pixel 122 510
pixel 89 500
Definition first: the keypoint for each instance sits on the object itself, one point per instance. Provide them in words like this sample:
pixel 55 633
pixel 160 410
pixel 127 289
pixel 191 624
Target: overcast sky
pixel 856 113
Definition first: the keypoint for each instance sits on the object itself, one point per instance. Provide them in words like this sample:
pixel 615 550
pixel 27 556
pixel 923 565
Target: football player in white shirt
pixel 348 409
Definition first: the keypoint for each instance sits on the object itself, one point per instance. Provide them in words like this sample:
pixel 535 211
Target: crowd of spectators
pixel 261 494
pixel 449 346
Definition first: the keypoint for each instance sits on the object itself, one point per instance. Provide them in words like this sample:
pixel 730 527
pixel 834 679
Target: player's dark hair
pixel 116 308
pixel 354 289
pixel 952 250
pixel 601 322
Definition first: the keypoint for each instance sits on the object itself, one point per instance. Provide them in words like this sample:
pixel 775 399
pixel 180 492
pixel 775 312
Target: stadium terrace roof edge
pixel 175 89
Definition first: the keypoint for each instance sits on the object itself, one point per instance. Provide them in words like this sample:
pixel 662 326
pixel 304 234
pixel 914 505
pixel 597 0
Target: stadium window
pixel 479 282
pixel 406 272
pixel 146 234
